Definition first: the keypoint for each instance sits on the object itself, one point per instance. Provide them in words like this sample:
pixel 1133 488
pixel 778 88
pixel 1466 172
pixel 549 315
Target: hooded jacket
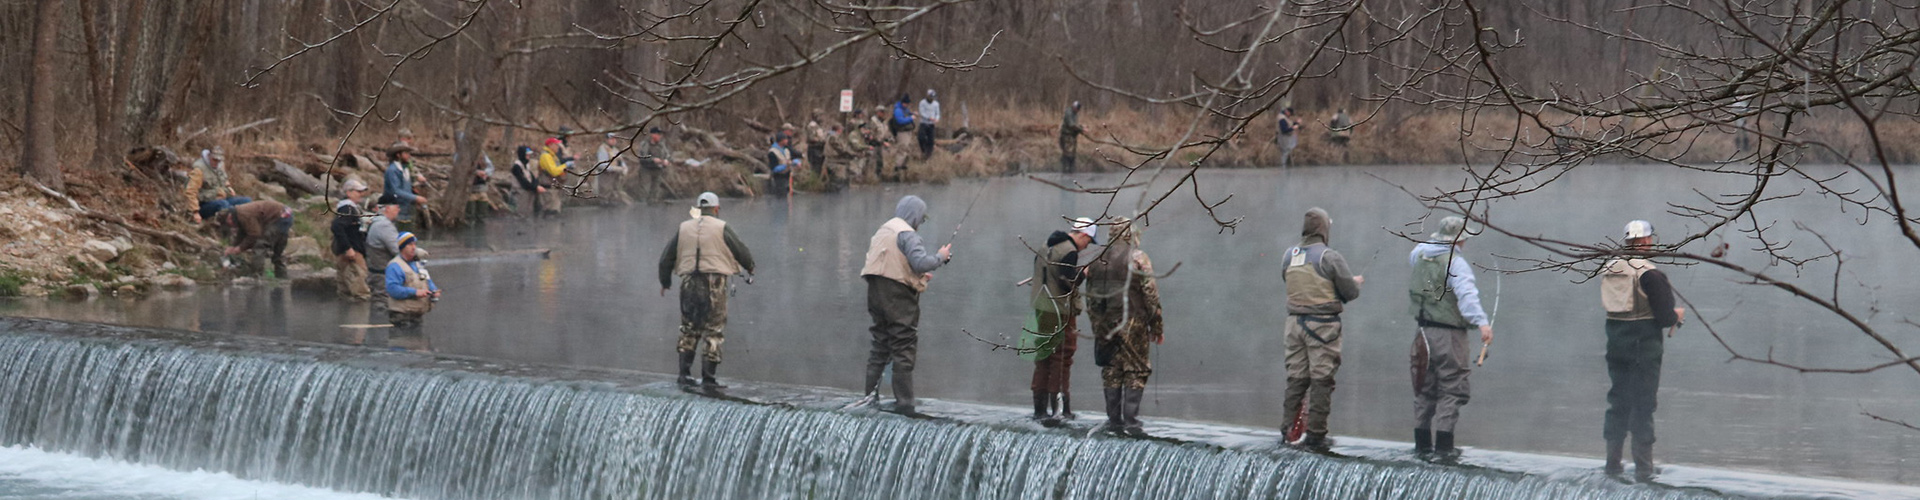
pixel 1056 276
pixel 906 260
pixel 1322 273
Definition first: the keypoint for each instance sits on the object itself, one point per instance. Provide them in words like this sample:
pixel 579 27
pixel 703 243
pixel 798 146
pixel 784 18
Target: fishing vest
pixel 1433 299
pixel 885 260
pixel 1305 286
pixel 213 181
pixel 1620 291
pixel 419 303
pixel 703 248
pixel 1050 293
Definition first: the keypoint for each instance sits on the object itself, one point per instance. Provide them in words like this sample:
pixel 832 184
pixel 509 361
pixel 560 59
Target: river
pixel 596 303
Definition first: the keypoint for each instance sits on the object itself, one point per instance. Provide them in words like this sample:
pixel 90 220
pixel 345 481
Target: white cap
pixel 707 200
pixel 1639 229
pixel 353 185
pixel 1085 226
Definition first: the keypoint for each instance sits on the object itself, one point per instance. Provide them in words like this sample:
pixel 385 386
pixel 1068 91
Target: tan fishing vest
pixel 703 248
pixel 419 303
pixel 1620 291
pixel 885 260
pixel 1305 285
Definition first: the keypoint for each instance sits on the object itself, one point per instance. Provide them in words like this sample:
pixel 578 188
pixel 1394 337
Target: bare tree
pixel 38 158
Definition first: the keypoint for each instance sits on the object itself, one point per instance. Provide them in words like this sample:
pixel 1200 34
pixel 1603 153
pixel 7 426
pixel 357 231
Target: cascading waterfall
pixel 355 421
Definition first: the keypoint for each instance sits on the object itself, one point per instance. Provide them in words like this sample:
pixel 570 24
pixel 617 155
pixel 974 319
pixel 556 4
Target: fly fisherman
pixel 1639 303
pixel 1123 303
pixel 1070 137
pixel 704 254
pixel 1056 303
pixel 383 243
pixel 898 268
pixel 1318 287
pixel 412 290
pixel 1445 304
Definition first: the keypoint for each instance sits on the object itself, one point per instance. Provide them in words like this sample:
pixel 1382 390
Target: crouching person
pixel 261 227
pixel 410 290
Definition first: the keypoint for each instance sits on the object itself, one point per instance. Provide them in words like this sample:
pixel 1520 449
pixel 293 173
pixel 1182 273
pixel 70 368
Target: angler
pixel 1319 286
pixel 1445 304
pixel 897 270
pixel 1639 304
pixel 1056 303
pixel 704 254
pixel 1123 305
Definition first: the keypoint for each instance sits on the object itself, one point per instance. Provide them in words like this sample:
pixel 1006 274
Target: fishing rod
pixel 965 214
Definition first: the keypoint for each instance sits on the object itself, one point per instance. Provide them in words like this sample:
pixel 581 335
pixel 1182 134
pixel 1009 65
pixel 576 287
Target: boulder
pixel 82 292
pixel 302 246
pixel 100 250
pixel 318 281
pixel 173 282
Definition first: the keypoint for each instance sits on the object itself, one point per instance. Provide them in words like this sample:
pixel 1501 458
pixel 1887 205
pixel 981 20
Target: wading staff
pixel 1495 314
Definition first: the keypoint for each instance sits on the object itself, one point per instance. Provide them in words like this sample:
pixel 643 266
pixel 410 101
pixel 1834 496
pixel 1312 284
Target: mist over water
pixel 596 303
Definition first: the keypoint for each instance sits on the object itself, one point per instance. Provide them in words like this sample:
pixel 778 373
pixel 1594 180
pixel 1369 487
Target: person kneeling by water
pixel 411 290
pixel 259 226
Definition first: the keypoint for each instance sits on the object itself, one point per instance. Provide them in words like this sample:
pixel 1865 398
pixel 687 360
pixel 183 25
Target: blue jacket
pixel 397 281
pixel 900 114
pixel 399 183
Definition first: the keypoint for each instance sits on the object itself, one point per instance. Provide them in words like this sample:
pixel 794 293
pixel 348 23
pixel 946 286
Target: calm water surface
pixel 596 302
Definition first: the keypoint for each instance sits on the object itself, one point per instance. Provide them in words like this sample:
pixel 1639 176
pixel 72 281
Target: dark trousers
pixel 925 137
pixel 1054 373
pixel 895 308
pixel 209 208
pixel 1634 349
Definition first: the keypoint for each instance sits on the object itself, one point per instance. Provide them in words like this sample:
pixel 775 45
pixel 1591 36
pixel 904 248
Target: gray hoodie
pixel 382 243
pixel 914 210
pixel 1459 278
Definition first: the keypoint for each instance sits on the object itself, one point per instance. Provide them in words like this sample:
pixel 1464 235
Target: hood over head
pixel 911 209
pixel 1317 227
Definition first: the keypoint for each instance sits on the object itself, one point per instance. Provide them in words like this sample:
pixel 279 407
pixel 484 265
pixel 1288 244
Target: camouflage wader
pixel 703 313
pixel 1127 353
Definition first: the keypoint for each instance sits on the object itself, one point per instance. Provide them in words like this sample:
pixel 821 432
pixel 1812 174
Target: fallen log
pixel 292 177
pixel 189 243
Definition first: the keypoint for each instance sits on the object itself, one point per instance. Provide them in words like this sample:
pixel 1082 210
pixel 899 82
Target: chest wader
pixel 1309 397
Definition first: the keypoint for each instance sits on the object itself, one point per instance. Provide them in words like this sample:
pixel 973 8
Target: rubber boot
pixel 1443 449
pixel 1616 449
pixel 1115 422
pixel 1289 406
pixel 873 379
pixel 1422 443
pixel 903 401
pixel 1066 407
pixel 1643 468
pixel 707 368
pixel 1130 411
pixel 686 369
pixel 1040 402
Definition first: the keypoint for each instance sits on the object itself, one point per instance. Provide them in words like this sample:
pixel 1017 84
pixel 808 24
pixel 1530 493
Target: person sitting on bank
pixel 781 162
pixel 411 289
pixel 207 184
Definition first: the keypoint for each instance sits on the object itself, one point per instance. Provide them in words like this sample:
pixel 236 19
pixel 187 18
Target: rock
pixel 126 291
pixel 319 281
pixel 120 244
pixel 100 250
pixel 82 292
pixel 173 282
pixel 302 246
pixel 274 191
pixel 246 281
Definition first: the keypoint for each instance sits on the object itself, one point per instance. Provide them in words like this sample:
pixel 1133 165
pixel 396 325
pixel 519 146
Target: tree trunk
pixel 38 158
pixel 100 83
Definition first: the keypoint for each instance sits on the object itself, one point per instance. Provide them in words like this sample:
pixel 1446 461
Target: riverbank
pixel 122 231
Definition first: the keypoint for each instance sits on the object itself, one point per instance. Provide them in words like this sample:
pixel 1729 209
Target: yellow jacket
pixel 551 164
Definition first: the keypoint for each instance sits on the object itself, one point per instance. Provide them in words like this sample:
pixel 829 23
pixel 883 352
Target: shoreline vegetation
pixel 122 232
